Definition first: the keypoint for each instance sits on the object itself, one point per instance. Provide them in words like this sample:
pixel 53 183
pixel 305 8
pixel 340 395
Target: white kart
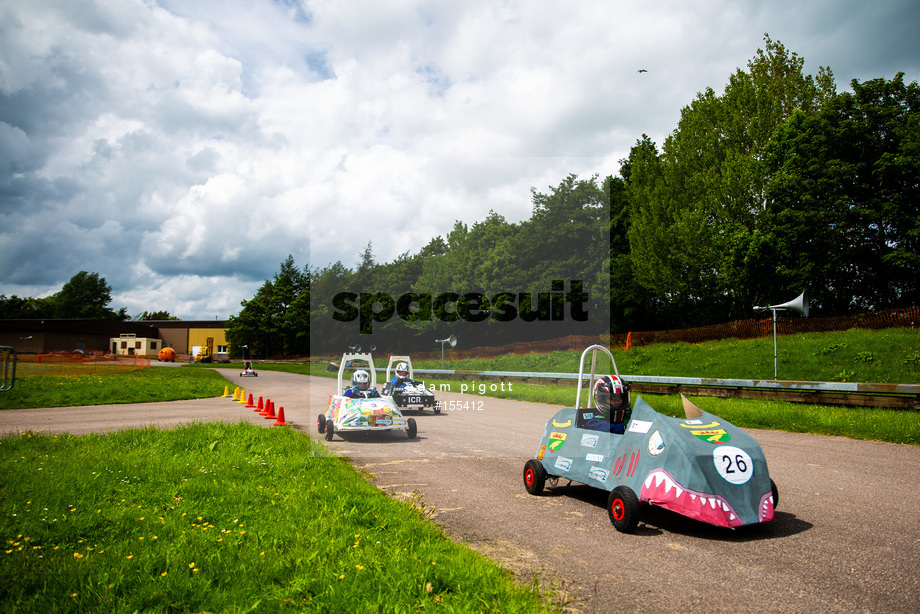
pixel 409 396
pixel 346 414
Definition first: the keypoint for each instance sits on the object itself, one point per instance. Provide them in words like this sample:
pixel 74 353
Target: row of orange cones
pixel 266 409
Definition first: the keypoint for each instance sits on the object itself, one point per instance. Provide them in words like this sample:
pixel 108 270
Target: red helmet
pixel 610 395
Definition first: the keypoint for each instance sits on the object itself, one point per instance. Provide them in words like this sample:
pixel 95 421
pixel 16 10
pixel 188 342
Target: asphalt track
pixel 846 537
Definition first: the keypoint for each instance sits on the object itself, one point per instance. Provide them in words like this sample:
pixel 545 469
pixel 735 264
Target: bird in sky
pixel 641 70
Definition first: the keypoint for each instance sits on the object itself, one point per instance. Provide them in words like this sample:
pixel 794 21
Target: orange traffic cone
pixel 271 412
pixel 259 407
pixel 268 403
pixel 280 421
pixel 250 403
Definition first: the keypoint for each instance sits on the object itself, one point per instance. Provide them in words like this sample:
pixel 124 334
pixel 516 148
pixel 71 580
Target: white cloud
pixel 182 149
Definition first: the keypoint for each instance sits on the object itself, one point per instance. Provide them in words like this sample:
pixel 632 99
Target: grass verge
pixel 222 518
pixel 140 386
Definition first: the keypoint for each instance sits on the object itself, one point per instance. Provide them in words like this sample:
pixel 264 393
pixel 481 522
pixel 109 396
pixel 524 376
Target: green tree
pixel 28 308
pixel 276 321
pixel 86 295
pixel 697 206
pixel 844 203
pixel 154 315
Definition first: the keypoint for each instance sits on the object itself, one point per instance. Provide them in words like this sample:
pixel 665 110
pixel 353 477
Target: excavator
pixel 206 353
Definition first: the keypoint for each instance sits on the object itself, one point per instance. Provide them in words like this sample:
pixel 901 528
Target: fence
pixel 741 329
pixel 67 363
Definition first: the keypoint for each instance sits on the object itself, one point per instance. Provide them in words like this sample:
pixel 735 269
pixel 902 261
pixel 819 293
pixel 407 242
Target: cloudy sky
pixel 183 148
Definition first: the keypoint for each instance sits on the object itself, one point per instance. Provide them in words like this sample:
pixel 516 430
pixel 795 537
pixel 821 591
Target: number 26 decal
pixel 733 464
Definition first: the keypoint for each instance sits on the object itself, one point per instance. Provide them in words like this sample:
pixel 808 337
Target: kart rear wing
pixel 581 373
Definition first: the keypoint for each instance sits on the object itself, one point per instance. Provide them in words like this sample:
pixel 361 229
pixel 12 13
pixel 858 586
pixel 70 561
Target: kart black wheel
pixel 413 428
pixel 534 476
pixel 437 407
pixel 775 494
pixel 321 423
pixel 623 509
pixel 330 429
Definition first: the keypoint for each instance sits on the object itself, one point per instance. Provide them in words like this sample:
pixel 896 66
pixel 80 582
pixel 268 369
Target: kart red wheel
pixel 413 428
pixel 623 509
pixel 321 423
pixel 534 476
pixel 330 429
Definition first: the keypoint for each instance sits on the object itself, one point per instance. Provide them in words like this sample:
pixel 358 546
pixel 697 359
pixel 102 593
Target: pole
pixel 775 363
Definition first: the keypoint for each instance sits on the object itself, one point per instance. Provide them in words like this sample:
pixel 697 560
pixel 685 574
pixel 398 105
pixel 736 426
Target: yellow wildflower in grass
pixel 342 577
pixel 359 567
pixel 77 555
pixel 163 574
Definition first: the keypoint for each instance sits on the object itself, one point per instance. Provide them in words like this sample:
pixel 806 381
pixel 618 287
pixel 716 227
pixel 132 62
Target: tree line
pixel 776 185
pixel 85 295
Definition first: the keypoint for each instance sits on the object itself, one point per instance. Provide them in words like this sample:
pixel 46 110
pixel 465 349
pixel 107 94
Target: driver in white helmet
pixel 361 386
pixel 402 376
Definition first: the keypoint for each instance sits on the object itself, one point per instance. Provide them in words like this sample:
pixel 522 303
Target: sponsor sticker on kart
pixel 598 473
pixel 639 426
pixel 589 441
pixel 713 435
pixel 563 464
pixel 556 441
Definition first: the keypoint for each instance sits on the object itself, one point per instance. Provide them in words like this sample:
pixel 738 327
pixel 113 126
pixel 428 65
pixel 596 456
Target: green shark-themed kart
pixel 701 466
pixel 404 390
pixel 349 411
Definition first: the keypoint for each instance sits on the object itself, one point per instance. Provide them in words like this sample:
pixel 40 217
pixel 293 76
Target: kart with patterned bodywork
pixel 353 410
pixel 700 466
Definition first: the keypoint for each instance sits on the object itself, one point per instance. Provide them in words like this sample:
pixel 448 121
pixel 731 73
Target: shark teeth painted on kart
pixel 766 511
pixel 661 489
